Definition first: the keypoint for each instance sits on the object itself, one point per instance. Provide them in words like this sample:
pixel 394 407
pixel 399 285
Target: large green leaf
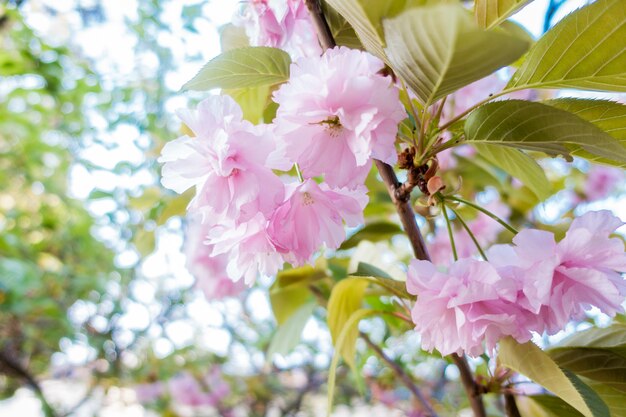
pixel 439 49
pixel 607 115
pixel 366 16
pixel 253 101
pixel 586 50
pixel 539 127
pixel 342 31
pixel 346 298
pixel 614 399
pixel 519 165
pixel 243 68
pixel 490 13
pixel 346 338
pixel 600 365
pixel 532 362
pixel 613 338
pixel 546 406
pixel 288 334
pixel 291 290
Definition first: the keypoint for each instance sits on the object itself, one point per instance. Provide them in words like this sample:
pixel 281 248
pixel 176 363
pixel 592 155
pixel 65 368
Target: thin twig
pixel 14 368
pixel 473 390
pixel 404 377
pixel 324 33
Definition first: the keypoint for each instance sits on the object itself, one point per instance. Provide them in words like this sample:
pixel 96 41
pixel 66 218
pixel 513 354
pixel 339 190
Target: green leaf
pixel 614 399
pixel 546 406
pixel 243 68
pixel 519 165
pixel 366 17
pixel 381 278
pixel 613 338
pixel 374 232
pixel 607 115
pixel 233 37
pixel 585 50
pixel 439 49
pixel 490 13
pixel 364 269
pixel 291 290
pixel 539 127
pixel 345 299
pixel 532 362
pixel 601 365
pixel 342 31
pixel 252 100
pixel 288 334
pixel 345 339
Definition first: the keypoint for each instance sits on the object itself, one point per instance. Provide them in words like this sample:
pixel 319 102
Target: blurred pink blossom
pixel 602 181
pixel 148 393
pixel 336 113
pixel 186 390
pixel 284 24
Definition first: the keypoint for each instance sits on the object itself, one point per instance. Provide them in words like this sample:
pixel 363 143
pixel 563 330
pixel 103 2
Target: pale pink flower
pixel 150 392
pixel 312 215
pixel 249 247
pixel 186 390
pixel 284 24
pixel 602 181
pixel 225 161
pixel 559 281
pixel 208 270
pixel 336 113
pixel 459 310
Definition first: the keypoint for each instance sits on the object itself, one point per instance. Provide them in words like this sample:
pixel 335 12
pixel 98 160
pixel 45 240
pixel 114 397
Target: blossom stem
pixel 450 234
pixel 485 211
pixel 510 406
pixel 324 33
pixel 404 377
pixel 299 173
pixel 470 233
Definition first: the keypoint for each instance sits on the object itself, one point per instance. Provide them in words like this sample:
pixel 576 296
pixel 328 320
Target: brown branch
pixel 324 33
pixel 510 406
pixel 406 379
pixel 12 367
pixel 401 199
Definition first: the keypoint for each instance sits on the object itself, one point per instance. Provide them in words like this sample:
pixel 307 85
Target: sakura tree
pixel 338 121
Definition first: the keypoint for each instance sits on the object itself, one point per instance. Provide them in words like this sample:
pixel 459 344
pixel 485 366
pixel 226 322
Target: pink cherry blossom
pixel 249 247
pixel 601 181
pixel 208 270
pixel 459 310
pixel 186 390
pixel 150 392
pixel 225 161
pixel 284 24
pixel 313 215
pixel 559 281
pixel 336 113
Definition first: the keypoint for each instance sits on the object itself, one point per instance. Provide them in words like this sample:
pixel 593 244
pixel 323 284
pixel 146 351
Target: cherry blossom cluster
pixel 280 24
pixel 335 114
pixel 533 285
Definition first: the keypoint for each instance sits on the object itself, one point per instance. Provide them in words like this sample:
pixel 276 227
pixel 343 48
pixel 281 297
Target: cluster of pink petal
pixel 534 285
pixel 252 220
pixel 284 24
pixel 602 181
pixel 336 113
pixel 186 390
pixel 483 227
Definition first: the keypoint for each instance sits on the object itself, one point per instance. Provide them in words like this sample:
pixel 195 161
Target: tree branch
pixel 510 406
pixel 406 379
pixel 403 206
pixel 12 367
